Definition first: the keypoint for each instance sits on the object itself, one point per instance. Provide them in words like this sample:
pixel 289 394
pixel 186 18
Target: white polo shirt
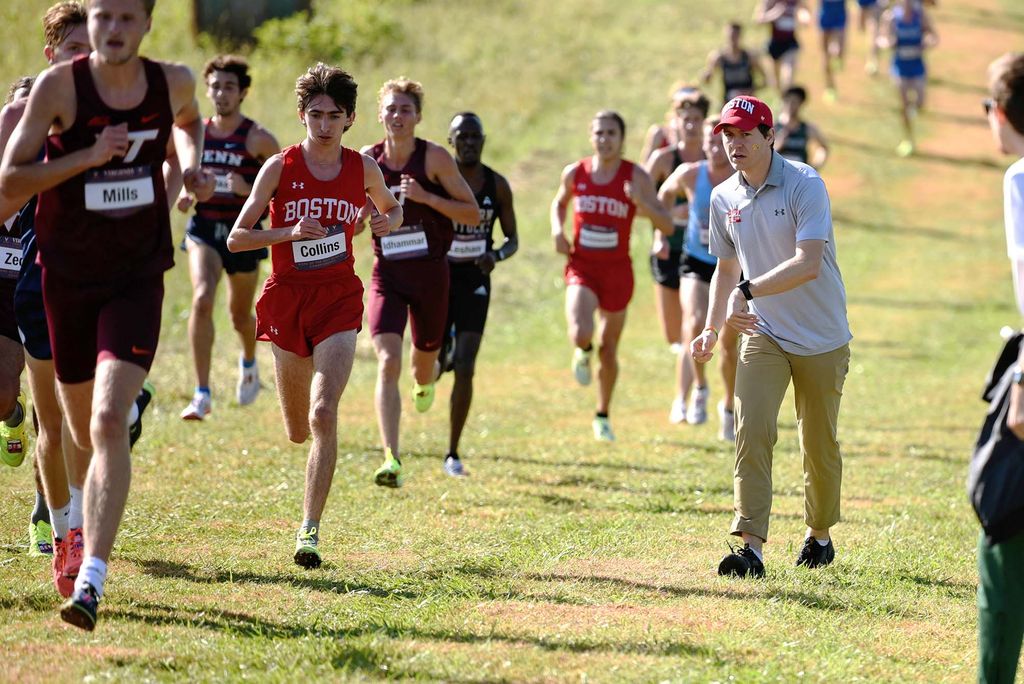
pixel 760 227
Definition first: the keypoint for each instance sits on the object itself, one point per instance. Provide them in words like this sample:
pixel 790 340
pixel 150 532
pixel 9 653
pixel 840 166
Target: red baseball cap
pixel 745 113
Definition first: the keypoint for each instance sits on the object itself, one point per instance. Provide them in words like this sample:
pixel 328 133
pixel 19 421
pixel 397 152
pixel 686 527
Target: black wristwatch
pixel 1018 375
pixel 744 287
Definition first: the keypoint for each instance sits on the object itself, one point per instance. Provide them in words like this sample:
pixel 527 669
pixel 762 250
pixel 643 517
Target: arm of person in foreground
pixel 188 132
pixel 242 237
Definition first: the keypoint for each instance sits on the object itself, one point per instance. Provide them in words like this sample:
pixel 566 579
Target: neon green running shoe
pixel 40 539
pixel 307 555
pixel 390 472
pixel 905 148
pixel 422 396
pixel 14 440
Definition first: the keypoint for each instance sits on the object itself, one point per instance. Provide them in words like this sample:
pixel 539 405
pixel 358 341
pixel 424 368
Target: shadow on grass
pixel 921 155
pixel 955 589
pixel 844 221
pixel 555 463
pixel 1002 20
pixel 941 305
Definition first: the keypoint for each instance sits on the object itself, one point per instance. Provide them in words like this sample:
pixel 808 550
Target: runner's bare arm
pixel 723 283
pixel 710 67
pixel 442 169
pixel 768 11
pixel 52 103
pixel 389 212
pixel 641 191
pixel 559 209
pixel 931 36
pixel 507 218
pixel 659 165
pixel 9 118
pixel 188 131
pixel 261 143
pixel 821 152
pixel 652 141
pixel 242 237
pixel 887 36
pixel 672 188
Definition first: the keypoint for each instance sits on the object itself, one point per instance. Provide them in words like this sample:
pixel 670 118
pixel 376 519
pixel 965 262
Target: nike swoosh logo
pixel 149 117
pixel 141 352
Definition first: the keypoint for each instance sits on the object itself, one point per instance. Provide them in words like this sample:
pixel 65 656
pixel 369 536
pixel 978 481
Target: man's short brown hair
pixel 62 19
pixel 402 85
pixel 148 5
pixel 232 64
pixel 330 81
pixel 1006 84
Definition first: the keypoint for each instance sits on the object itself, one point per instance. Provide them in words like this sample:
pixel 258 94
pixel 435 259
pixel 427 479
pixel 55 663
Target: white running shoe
pixel 603 430
pixel 677 415
pixel 198 408
pixel 727 418
pixel 581 366
pixel 676 348
pixel 248 384
pixel 698 409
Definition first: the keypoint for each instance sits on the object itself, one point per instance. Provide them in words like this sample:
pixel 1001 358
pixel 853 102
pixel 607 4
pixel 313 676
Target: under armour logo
pixel 274 331
pixel 780 212
pixel 298 186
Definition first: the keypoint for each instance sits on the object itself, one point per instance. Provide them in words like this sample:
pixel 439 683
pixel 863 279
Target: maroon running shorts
pixel 411 288
pixel 612 282
pixel 92 322
pixel 297 317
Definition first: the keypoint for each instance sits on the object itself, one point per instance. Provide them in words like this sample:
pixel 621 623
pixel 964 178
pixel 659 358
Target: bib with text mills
pixel 425 233
pixel 224 156
pixel 112 221
pixel 602 214
pixel 334 203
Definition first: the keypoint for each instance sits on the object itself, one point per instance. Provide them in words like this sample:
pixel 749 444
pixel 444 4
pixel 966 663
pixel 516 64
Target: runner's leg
pixel 467 345
pixel 49 455
pixel 387 400
pixel 294 376
pixel 241 293
pixel 580 306
pixel 205 268
pixel 612 324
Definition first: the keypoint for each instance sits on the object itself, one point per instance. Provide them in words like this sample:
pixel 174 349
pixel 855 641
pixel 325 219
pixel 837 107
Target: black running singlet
pixel 474 241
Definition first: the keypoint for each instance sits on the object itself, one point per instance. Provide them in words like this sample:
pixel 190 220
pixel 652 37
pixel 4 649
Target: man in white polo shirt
pixel 771 223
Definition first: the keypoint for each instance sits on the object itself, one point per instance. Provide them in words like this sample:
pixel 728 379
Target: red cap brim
pixel 740 122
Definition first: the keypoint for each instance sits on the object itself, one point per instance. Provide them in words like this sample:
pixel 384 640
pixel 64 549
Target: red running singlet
pixel 602 215
pixel 111 221
pixel 334 203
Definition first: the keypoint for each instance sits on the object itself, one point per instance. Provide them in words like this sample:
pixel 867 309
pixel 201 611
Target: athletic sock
pixel 133 413
pixel 40 512
pixel 758 553
pixel 203 389
pixel 822 543
pixel 76 519
pixel 312 527
pixel 94 572
pixel 17 416
pixel 602 414
pixel 451 454
pixel 60 520
pixel 589 348
pixel 247 363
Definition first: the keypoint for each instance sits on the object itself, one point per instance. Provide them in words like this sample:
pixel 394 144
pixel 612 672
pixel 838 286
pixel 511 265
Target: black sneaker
pixel 141 401
pixel 814 555
pixel 80 609
pixel 741 563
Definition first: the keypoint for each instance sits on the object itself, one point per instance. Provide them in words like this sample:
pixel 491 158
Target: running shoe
pixel 677 414
pixel 727 420
pixel 248 383
pixel 422 396
pixel 871 68
pixel 453 466
pixel 73 556
pixel 831 95
pixel 581 366
pixel 14 440
pixel 814 555
pixel 905 148
pixel 141 401
pixel 60 558
pixel 603 429
pixel 390 472
pixel 39 536
pixel 697 413
pixel 676 348
pixel 80 609
pixel 741 563
pixel 307 555
pixel 198 408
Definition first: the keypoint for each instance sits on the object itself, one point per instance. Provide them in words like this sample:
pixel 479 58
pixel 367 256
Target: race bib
pixel 786 23
pixel 310 255
pixel 119 192
pixel 223 184
pixel 408 242
pixel 598 237
pixel 908 52
pixel 467 247
pixel 10 257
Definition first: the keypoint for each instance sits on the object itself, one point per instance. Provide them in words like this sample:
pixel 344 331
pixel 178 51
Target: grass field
pixel 561 559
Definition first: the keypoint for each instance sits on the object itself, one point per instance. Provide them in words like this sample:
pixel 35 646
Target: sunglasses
pixel 989 104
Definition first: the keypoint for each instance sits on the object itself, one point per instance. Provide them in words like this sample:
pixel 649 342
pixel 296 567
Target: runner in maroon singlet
pixel 410 271
pixel 607 191
pixel 104 241
pixel 234 149
pixel 312 304
pixel 782 18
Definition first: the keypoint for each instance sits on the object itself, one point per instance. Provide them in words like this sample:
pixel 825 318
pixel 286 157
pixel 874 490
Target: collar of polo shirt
pixel 774 177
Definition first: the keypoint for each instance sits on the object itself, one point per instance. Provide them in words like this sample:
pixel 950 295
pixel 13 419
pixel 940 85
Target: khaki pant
pixel 762 378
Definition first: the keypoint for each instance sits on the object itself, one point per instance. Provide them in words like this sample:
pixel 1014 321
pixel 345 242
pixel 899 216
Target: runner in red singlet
pixel 234 149
pixel 312 304
pixel 410 271
pixel 606 191
pixel 104 241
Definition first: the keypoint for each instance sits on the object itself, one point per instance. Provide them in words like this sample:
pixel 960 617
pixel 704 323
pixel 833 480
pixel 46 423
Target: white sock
pixel 59 521
pixel 133 415
pixel 821 542
pixel 94 572
pixel 758 553
pixel 76 519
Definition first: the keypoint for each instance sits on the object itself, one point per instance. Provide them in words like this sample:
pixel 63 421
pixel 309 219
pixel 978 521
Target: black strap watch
pixel 744 287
